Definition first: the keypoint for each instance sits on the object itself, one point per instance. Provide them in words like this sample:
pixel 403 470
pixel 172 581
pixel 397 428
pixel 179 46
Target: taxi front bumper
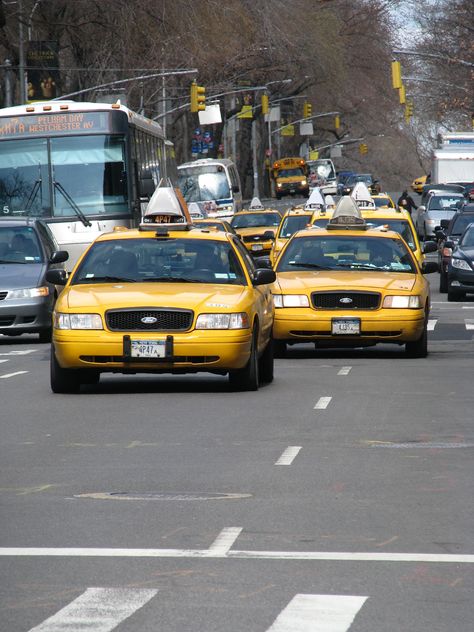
pixel 386 325
pixel 197 350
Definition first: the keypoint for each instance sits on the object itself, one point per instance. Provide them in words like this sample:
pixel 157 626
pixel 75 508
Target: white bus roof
pixel 203 162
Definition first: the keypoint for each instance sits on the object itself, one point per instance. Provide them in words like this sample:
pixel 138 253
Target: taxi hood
pixel 255 230
pixel 196 296
pixel 359 281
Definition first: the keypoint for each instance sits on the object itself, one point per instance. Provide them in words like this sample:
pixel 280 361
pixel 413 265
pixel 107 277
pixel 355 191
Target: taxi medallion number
pixel 346 326
pixel 148 349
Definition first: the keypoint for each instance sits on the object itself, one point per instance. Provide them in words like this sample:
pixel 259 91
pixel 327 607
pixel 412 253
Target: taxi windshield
pixel 293 223
pixel 255 220
pixel 402 227
pixel 167 260
pixel 383 201
pixel 330 252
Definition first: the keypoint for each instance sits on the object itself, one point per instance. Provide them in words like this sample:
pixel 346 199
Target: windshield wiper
pixel 10 261
pixel 314 266
pixel 74 206
pixel 172 279
pixel 105 279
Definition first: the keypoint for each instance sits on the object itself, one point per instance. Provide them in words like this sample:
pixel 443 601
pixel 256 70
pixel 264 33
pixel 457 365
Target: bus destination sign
pixel 54 124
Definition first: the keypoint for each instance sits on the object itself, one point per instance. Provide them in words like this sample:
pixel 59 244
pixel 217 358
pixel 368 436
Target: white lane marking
pixel 469 323
pixel 224 541
pixel 3 361
pixel 323 402
pixel 468 307
pixel 12 374
pixel 289 455
pixel 335 556
pixel 97 610
pixel 21 352
pixel 345 370
pixel 318 613
pixel 432 324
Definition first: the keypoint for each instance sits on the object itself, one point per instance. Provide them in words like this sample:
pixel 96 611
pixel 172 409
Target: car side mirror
pixel 235 188
pixel 422 208
pixel 429 246
pixel 449 244
pixel 59 256
pixel 269 234
pixel 444 223
pixel 263 276
pixel 263 262
pixel 429 267
pixel 56 276
pixel 439 233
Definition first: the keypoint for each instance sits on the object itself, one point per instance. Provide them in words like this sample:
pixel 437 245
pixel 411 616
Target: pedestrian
pixel 406 202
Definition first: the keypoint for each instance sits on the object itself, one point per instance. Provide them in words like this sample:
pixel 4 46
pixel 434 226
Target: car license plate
pixel 346 326
pixel 257 247
pixel 148 348
pixel 292 190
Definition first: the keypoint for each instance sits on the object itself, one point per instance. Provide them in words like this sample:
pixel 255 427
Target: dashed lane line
pixel 288 455
pixel 224 541
pixel 345 370
pixel 469 323
pixel 3 377
pixel 322 403
pixel 432 324
pixel 19 352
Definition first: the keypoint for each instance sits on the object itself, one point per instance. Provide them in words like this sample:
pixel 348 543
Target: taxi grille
pixel 3 296
pixel 249 238
pixel 155 319
pixel 345 300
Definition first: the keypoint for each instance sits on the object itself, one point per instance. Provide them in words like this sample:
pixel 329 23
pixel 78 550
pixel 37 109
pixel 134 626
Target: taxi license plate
pixel 292 190
pixel 257 247
pixel 346 326
pixel 148 348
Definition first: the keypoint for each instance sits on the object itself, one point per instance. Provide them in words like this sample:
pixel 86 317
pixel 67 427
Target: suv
pixel 448 235
pixel 27 251
pixel 440 204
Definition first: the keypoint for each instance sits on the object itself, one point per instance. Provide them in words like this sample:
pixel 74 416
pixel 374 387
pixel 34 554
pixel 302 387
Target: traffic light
pixel 198 97
pixel 337 122
pixel 396 75
pixel 363 149
pixel 402 95
pixel 307 109
pixel 408 110
pixel 265 104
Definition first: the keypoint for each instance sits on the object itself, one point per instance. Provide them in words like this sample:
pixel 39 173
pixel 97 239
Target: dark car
pixel 448 235
pixel 27 251
pixel 461 267
pixel 352 180
pixel 453 187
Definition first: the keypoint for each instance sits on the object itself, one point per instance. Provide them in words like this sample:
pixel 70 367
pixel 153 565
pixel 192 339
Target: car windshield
pixel 19 244
pixel 468 238
pixel 461 223
pixel 383 201
pixel 291 173
pixel 160 260
pixel 360 178
pixel 293 223
pixel 203 184
pixel 255 220
pixel 322 252
pixel 443 203
pixel 402 227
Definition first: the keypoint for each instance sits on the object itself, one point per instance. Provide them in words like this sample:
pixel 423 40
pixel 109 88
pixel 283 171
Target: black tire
pixel 418 348
pixel 45 335
pixel 443 283
pixel 278 196
pixel 63 380
pixel 455 296
pixel 247 379
pixel 279 348
pixel 265 364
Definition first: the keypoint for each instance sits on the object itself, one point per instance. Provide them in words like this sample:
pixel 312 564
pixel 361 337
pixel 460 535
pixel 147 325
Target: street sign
pixel 211 115
pixel 306 128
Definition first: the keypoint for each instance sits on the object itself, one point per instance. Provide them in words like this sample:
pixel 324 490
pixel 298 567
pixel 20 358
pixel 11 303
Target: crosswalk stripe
pixel 7 375
pixel 322 403
pixel 318 613
pixel 97 610
pixel 225 540
pixel 469 322
pixel 432 324
pixel 289 455
pixel 18 352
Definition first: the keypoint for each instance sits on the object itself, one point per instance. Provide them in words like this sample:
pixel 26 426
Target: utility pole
pixel 254 159
pixel 21 53
pixel 8 84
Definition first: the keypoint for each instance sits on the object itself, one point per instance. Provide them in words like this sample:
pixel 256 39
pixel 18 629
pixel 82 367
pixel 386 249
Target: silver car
pixel 440 205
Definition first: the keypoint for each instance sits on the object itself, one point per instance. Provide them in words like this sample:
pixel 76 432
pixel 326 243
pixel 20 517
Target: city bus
pixel 213 184
pixel 82 167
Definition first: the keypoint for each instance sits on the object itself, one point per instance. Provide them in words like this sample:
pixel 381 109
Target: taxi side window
pixel 245 255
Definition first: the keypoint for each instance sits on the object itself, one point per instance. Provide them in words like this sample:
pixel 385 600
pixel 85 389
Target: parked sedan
pixel 448 236
pixel 27 251
pixel 461 267
pixel 439 206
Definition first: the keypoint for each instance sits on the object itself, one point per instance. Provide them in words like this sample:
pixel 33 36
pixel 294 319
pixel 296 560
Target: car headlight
pixel 239 320
pixel 461 264
pixel 77 321
pixel 402 302
pixel 303 182
pixel 291 300
pixel 279 184
pixel 32 292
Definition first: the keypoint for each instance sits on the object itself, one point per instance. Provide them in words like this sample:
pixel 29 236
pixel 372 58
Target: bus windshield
pixel 202 184
pixel 88 171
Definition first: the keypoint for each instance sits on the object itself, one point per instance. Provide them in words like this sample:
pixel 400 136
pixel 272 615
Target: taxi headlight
pixel 223 321
pixel 32 292
pixel 402 302
pixel 303 181
pixel 78 321
pixel 279 184
pixel 291 300
pixel 461 264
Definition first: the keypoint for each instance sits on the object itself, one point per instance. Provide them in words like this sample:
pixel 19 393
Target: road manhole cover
pixel 161 496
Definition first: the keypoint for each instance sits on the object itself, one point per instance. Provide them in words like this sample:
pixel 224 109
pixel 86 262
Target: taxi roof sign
pixel 166 206
pixel 347 216
pixel 256 205
pixel 330 203
pixel 315 200
pixel 361 195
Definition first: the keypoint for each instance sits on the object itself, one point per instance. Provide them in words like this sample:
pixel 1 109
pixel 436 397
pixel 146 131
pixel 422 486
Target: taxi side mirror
pixel 263 262
pixel 269 234
pixel 263 276
pixel 430 246
pixel 429 266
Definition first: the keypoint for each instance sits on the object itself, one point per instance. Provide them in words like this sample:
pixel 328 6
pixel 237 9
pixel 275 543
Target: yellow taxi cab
pixel 216 224
pixel 350 285
pixel 383 200
pixel 256 227
pixel 418 184
pixel 165 298
pixel 292 221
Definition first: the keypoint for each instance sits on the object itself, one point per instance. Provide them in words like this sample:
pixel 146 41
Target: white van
pixel 323 175
pixel 213 184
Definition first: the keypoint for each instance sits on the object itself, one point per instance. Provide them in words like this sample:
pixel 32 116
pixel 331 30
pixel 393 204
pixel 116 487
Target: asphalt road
pixel 337 498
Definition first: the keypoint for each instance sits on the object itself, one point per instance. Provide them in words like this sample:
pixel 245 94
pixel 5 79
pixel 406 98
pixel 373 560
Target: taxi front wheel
pixel 247 379
pixel 63 380
pixel 418 348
